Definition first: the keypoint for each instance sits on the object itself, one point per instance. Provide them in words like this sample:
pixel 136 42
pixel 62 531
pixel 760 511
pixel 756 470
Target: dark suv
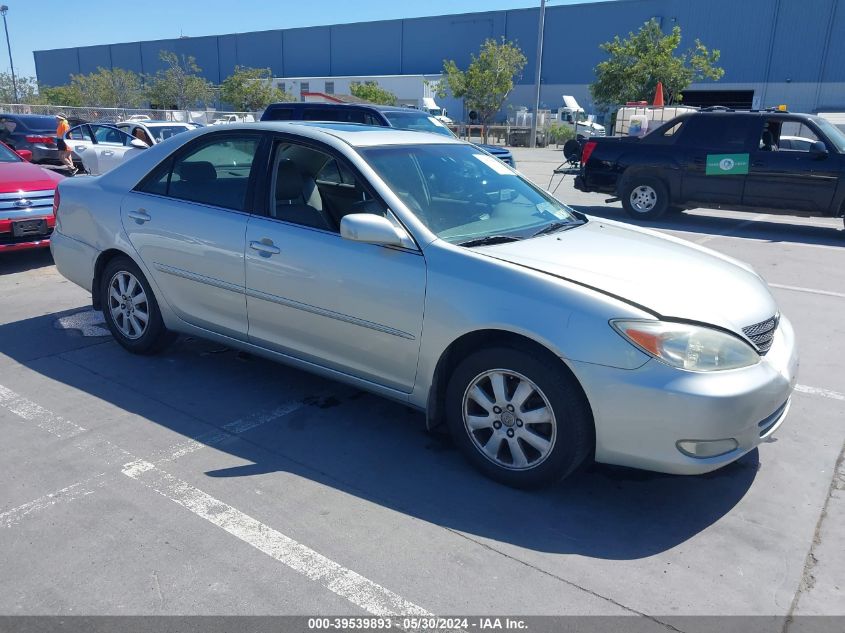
pixel 371 114
pixel 723 158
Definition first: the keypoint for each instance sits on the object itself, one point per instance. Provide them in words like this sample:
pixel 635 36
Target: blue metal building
pixel 773 51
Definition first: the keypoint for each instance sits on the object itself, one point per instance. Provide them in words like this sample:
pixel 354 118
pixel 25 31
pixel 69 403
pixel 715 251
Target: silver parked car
pixel 423 269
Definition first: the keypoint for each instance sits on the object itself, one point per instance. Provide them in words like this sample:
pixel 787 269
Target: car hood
pixel 665 275
pixel 25 176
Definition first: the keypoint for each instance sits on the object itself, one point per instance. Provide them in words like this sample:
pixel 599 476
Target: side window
pixel 80 133
pixel 356 116
pixel 109 135
pixel 311 188
pixel 796 136
pixel 215 173
pixel 324 114
pixel 719 131
pixel 280 114
pixel 369 119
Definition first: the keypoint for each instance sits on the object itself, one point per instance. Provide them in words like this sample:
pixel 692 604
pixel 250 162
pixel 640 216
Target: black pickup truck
pixel 722 158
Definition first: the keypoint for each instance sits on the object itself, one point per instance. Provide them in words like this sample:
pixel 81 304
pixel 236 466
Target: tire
pixel 645 198
pixel 551 447
pixel 124 318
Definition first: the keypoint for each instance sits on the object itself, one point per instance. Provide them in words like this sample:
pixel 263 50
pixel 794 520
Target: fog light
pixel 706 448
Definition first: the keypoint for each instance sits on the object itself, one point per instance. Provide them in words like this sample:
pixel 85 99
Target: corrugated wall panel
pixel 54 68
pixel 426 42
pixel 803 27
pixel 367 48
pixel 307 52
pixel 260 50
pixel 92 58
pixel 227 49
pixel 127 56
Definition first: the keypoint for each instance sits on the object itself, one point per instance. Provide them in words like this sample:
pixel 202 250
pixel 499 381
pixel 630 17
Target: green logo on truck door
pixel 724 164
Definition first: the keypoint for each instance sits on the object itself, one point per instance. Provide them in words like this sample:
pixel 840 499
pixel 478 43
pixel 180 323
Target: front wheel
pixel 645 198
pixel 520 418
pixel 130 308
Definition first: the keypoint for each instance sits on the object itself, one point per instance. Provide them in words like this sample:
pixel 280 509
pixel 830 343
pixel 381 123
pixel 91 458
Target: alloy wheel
pixel 509 419
pixel 128 305
pixel 643 198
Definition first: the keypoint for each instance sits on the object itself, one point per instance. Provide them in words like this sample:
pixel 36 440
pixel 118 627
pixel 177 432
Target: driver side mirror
pixel 138 143
pixel 371 229
pixel 818 150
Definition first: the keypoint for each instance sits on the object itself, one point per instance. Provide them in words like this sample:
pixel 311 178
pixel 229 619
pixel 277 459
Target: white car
pixel 101 147
pixel 233 118
pixel 152 132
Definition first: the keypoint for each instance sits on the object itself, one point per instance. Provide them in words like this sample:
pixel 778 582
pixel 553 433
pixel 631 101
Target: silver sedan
pixel 422 269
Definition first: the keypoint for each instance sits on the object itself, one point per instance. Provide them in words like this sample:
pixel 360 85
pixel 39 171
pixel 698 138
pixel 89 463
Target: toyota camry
pixel 422 269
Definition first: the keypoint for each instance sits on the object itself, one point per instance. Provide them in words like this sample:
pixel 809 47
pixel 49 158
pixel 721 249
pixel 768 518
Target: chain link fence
pixel 88 114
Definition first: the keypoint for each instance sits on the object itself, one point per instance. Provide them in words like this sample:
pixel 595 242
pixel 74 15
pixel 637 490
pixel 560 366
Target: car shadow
pixel 378 450
pixel 21 261
pixel 710 225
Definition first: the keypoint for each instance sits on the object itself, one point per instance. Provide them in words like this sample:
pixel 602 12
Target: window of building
pixel 329 87
pixel 304 87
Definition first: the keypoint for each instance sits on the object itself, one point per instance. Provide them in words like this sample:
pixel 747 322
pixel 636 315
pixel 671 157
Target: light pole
pixel 538 67
pixel 4 9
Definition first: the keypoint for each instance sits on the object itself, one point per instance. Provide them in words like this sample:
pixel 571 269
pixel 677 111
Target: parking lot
pixel 207 481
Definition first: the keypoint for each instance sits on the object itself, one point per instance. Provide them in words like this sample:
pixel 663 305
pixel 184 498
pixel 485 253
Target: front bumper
pixel 9 242
pixel 641 414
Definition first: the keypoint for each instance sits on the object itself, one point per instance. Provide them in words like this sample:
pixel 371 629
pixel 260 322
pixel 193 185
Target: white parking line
pixel 814 291
pixel 360 591
pixel 816 391
pixel 32 412
pixel 65 495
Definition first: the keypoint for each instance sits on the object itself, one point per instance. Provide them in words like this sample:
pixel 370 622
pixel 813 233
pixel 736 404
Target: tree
pixel 27 89
pixel 487 81
pixel 637 63
pixel 372 92
pixel 117 88
pixel 178 85
pixel 68 95
pixel 251 89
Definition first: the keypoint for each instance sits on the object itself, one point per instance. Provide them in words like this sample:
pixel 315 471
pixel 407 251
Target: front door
pixel 187 221
pixel 785 174
pixel 349 306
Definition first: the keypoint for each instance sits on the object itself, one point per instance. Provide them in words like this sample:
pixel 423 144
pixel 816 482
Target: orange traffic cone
pixel 658 95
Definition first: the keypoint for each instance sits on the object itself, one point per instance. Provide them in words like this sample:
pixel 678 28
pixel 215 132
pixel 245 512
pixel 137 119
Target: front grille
pixel 19 204
pixel 763 333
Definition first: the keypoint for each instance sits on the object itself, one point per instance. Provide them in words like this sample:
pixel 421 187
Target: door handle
pixel 758 163
pixel 108 152
pixel 265 247
pixel 140 216
pixel 79 148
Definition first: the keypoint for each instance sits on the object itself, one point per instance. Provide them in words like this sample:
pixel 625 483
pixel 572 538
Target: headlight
pixel 690 347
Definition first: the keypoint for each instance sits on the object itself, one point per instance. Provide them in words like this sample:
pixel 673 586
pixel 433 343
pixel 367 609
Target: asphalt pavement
pixel 206 481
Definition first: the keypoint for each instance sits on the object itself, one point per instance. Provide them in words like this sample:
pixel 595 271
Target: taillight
pixel 46 140
pixel 56 200
pixel 587 151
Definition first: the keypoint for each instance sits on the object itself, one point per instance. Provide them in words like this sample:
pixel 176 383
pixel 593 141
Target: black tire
pixel 654 193
pixel 573 421
pixel 155 336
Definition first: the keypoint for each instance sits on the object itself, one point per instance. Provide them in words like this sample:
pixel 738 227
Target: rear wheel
pixel 130 308
pixel 645 197
pixel 520 418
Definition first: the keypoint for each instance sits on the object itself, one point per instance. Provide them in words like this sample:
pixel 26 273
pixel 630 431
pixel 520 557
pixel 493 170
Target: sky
pixel 46 24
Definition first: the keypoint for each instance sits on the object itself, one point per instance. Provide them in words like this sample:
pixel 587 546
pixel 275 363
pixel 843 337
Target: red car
pixel 26 201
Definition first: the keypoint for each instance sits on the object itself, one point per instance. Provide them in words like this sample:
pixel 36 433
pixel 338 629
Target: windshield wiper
pixel 554 227
pixel 490 239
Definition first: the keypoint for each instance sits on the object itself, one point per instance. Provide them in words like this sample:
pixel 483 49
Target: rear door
pixel 789 176
pixel 716 154
pixel 111 145
pixel 187 221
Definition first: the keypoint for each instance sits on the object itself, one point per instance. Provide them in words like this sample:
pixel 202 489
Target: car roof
pixel 155 123
pixel 354 134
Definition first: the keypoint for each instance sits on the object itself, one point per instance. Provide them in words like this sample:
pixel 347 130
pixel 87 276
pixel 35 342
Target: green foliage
pixel 106 88
pixel 637 63
pixel 250 89
pixel 27 89
pixel 560 133
pixel 372 92
pixel 178 86
pixel 487 81
pixel 68 95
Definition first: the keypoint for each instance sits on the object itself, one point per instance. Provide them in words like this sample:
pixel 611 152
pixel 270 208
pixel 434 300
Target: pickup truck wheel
pixel 645 198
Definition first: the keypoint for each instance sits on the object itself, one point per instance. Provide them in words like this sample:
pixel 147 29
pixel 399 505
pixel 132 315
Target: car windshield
pixel 162 132
pixel 832 132
pixel 8 156
pixel 464 195
pixel 418 122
